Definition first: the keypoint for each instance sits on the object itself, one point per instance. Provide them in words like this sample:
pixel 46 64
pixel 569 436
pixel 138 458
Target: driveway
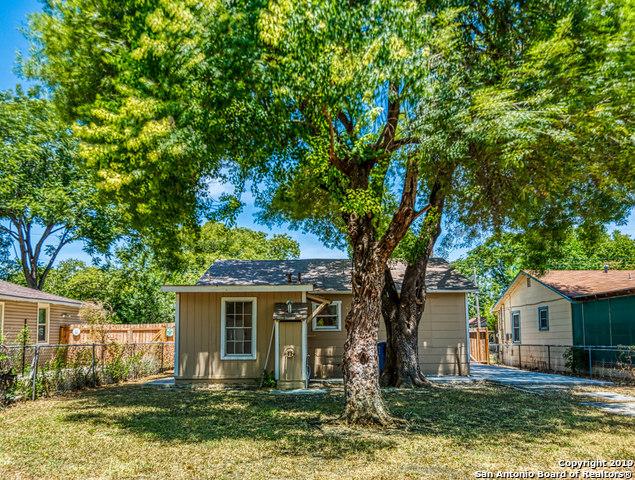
pixel 527 380
pixel 539 382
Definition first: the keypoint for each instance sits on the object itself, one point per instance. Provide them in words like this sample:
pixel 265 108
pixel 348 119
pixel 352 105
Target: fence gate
pixel 479 345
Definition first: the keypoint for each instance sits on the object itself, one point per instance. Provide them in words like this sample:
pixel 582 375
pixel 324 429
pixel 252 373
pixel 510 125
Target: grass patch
pixel 132 431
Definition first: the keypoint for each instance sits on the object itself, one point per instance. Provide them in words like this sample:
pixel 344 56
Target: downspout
pixel 177 335
pixel 467 333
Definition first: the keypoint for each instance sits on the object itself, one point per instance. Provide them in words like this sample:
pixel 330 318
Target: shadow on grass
pixel 296 423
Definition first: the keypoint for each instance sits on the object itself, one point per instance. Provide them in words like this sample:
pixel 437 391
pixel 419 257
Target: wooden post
pixel 93 367
pixel 548 357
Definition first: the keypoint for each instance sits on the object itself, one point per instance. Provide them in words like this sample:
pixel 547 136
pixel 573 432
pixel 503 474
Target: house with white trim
pixel 542 315
pixel 42 313
pixel 286 318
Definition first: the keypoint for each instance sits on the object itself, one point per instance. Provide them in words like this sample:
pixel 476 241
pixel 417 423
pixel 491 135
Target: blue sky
pixel 13 17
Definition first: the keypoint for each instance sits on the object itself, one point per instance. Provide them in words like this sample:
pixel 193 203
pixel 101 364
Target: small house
pixel 545 313
pixel 42 313
pixel 244 317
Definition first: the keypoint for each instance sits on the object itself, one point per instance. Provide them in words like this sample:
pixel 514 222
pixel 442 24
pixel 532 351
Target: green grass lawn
pixel 132 431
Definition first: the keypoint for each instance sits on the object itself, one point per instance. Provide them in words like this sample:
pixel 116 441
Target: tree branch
pixel 63 241
pixel 405 214
pixel 348 124
pixel 38 247
pixel 9 231
pixel 387 136
pixel 337 162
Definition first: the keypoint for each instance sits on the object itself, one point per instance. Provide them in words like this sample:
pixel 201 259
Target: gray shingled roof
pixel 8 289
pixel 324 274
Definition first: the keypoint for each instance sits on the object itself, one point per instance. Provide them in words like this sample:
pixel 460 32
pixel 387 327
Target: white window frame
pixel 338 328
pixel 47 307
pixel 516 312
pixel 254 325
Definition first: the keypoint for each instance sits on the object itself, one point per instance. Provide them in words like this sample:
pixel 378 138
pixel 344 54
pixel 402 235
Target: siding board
pixel 441 341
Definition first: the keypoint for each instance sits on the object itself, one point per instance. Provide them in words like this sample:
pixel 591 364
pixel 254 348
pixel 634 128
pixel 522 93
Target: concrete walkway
pixel 539 382
pixel 527 380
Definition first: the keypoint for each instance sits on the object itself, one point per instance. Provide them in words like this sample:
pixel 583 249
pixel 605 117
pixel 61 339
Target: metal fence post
pixel 24 349
pixel 520 358
pixel 93 366
pixel 36 359
pixel 590 363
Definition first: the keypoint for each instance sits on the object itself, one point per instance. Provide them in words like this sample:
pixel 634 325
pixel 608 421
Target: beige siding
pixel 327 347
pixel 442 335
pixel 15 313
pixel 527 300
pixel 442 338
pixel 200 337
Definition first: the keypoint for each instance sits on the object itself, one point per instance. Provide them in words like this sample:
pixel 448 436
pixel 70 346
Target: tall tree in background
pixel 129 281
pixel 47 200
pixel 499 259
pixel 334 108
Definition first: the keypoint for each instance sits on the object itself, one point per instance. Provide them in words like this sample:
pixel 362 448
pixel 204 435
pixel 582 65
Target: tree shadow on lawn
pixel 300 424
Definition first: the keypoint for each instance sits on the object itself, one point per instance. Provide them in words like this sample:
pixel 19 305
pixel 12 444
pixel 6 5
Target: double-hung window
pixel 238 328
pixel 516 326
pixel 43 317
pixel 543 318
pixel 329 318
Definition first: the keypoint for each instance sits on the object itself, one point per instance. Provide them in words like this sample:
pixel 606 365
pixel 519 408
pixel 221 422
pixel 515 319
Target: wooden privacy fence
pixel 82 333
pixel 479 345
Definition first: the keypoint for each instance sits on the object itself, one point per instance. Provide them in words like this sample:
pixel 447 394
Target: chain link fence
pixel 616 362
pixel 32 371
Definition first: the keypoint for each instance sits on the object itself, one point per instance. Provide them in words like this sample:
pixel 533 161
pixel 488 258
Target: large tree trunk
pixel 402 311
pixel 402 329
pixel 364 404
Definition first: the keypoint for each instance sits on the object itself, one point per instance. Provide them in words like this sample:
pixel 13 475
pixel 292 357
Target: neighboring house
pixel 42 312
pixel 565 307
pixel 287 317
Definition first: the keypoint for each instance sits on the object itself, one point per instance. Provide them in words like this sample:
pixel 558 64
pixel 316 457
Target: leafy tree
pixel 348 116
pixel 497 261
pixel 46 199
pixel 130 283
pixel 217 241
pixel 557 56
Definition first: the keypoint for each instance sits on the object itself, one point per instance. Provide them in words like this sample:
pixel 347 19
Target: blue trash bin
pixel 381 353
